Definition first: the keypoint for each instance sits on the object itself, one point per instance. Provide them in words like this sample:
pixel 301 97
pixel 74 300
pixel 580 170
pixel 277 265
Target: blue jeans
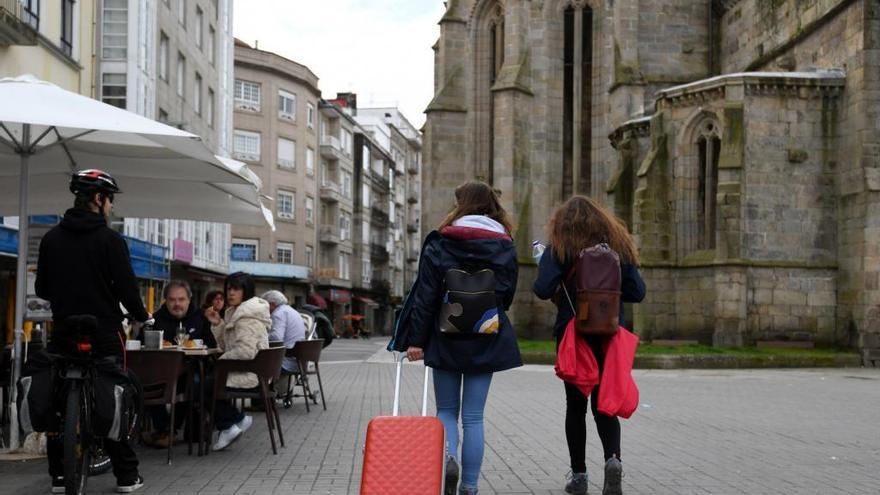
pixel 469 397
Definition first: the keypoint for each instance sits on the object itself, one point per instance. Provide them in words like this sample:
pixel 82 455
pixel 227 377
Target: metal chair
pixel 267 366
pixel 158 372
pixel 305 352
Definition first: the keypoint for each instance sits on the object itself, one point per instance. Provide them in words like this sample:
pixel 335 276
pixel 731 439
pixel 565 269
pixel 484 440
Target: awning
pixel 317 300
pixel 366 300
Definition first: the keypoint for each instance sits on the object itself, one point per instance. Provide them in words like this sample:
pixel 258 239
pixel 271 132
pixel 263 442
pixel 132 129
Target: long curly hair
pixel 582 222
pixel 477 198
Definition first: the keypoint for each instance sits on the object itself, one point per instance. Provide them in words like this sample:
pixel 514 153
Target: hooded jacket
pixel 84 268
pixel 468 248
pixel 243 332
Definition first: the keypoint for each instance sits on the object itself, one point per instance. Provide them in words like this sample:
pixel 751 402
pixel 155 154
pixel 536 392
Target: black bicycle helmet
pixel 92 181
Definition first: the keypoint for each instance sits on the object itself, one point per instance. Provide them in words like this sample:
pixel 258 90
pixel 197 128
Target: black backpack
pixel 469 303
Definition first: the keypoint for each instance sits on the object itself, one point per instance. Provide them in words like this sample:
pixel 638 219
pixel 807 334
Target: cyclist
pixel 84 268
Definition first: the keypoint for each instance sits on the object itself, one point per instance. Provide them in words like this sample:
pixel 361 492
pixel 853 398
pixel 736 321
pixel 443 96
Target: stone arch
pixel 695 181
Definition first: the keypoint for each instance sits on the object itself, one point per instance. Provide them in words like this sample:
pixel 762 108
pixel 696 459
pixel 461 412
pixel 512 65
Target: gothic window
pixel 489 60
pixel 708 147
pixel 577 99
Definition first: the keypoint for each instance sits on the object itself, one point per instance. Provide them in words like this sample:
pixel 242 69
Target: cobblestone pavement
pixel 696 432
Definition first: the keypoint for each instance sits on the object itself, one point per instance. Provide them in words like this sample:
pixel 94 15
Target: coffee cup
pixel 199 342
pixel 133 345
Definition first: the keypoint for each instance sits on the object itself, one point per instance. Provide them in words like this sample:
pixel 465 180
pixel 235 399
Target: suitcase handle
pixel 397 388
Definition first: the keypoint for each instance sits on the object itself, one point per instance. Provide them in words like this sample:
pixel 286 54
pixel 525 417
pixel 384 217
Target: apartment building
pixel 371 269
pixel 276 132
pixel 336 206
pixel 171 60
pixel 391 128
pixel 53 41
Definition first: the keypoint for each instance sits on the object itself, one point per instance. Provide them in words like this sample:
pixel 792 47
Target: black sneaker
pixel 451 476
pixel 613 476
pixel 577 484
pixel 58 484
pixel 130 486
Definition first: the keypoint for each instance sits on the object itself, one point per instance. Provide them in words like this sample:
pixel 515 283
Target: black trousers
pixel 576 403
pixel 106 342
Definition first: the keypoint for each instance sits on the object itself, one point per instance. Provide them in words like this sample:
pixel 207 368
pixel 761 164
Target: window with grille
pixel 310 255
pixel 284 253
pixel 247 95
pixel 244 249
pixel 286 205
pixel 246 145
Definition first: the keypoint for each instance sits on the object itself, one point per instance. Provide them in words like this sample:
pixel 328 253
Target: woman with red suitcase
pixel 454 318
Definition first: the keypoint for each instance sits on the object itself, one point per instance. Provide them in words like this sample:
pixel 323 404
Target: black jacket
pixel 84 268
pixel 551 271
pixel 195 323
pixel 417 324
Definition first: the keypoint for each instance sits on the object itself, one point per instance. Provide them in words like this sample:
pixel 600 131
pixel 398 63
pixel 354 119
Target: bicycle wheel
pixel 76 441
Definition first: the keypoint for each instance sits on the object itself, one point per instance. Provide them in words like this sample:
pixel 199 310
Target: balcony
pixel 412 198
pixel 412 168
pixel 412 227
pixel 379 215
pixel 19 23
pixel 380 285
pixel 330 192
pixel 331 277
pixel 330 234
pixel 379 253
pixel 331 148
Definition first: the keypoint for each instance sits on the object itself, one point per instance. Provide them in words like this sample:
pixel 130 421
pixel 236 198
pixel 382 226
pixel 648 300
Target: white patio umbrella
pixel 47 132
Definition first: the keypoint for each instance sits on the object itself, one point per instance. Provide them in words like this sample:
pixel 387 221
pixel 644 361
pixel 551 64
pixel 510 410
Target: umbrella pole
pixel 20 285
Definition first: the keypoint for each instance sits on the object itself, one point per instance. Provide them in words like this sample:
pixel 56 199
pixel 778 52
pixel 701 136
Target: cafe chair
pixel 267 367
pixel 158 372
pixel 305 352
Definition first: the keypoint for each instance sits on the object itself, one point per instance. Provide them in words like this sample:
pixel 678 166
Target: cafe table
pixel 198 358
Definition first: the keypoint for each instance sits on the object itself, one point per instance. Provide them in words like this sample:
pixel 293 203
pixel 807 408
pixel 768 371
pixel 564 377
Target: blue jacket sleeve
pixel 632 287
pixel 514 278
pixel 427 295
pixel 550 275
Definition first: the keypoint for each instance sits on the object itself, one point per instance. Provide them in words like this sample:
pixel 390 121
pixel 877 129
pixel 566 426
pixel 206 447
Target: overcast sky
pixel 379 49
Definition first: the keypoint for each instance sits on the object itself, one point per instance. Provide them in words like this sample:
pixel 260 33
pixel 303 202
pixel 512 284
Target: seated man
pixel 178 309
pixel 287 326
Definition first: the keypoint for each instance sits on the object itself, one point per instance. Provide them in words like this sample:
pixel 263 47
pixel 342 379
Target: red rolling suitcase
pixel 404 455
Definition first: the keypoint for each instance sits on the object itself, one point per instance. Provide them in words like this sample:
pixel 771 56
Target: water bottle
pixel 537 251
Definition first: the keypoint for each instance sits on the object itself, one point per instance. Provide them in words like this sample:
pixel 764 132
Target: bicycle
pixel 78 370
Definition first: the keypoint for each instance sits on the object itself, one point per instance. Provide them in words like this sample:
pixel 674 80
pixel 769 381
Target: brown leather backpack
pixel 596 275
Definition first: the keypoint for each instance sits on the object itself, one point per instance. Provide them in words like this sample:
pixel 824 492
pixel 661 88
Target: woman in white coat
pixel 240 334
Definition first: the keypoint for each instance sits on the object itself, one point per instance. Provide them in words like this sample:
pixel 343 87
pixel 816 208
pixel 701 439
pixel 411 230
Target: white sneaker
pixel 226 437
pixel 245 424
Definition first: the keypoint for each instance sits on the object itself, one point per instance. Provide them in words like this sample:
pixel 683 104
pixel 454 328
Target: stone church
pixel 738 139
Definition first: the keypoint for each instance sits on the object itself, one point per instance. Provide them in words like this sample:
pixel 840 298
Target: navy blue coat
pixel 417 323
pixel 551 272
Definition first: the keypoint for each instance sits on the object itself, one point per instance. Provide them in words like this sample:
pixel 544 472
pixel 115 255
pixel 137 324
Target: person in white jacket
pixel 241 334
